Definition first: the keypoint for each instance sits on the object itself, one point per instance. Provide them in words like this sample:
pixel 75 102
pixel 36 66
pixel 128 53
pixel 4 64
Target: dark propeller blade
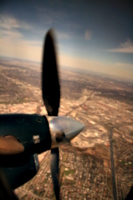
pixel 55 171
pixel 50 80
pixel 51 98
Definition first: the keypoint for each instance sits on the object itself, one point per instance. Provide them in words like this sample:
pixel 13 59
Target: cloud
pixel 12 34
pixel 13 42
pixel 8 22
pixel 88 35
pixel 126 47
pixel 62 35
pixel 124 65
pixel 9 27
pixel 21 48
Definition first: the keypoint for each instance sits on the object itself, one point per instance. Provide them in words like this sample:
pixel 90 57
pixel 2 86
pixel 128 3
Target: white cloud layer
pixel 13 43
pixel 126 47
pixel 12 34
pixel 7 22
pixel 62 35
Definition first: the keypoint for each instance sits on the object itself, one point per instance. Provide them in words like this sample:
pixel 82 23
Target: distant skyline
pixel 94 35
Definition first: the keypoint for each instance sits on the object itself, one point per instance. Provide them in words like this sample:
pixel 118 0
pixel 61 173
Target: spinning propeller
pixel 63 129
pixel 51 98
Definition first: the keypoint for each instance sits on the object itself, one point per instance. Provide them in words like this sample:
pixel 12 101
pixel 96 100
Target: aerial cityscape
pixel 98 164
pixel 93 43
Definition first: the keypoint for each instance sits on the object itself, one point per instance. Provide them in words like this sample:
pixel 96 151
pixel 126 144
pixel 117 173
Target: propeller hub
pixel 63 130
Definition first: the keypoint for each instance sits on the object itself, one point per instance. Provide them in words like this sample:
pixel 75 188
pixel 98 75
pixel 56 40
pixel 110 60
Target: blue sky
pixel 94 35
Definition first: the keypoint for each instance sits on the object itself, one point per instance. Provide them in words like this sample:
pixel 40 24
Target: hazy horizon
pixel 91 72
pixel 90 35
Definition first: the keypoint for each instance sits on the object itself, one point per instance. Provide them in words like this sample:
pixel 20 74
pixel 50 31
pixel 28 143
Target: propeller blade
pixel 55 171
pixel 51 98
pixel 50 79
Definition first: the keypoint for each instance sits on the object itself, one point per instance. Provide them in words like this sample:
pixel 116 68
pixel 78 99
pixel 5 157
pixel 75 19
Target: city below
pixel 98 164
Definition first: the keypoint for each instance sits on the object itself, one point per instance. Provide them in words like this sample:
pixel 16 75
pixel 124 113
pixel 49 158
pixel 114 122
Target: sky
pixel 90 34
